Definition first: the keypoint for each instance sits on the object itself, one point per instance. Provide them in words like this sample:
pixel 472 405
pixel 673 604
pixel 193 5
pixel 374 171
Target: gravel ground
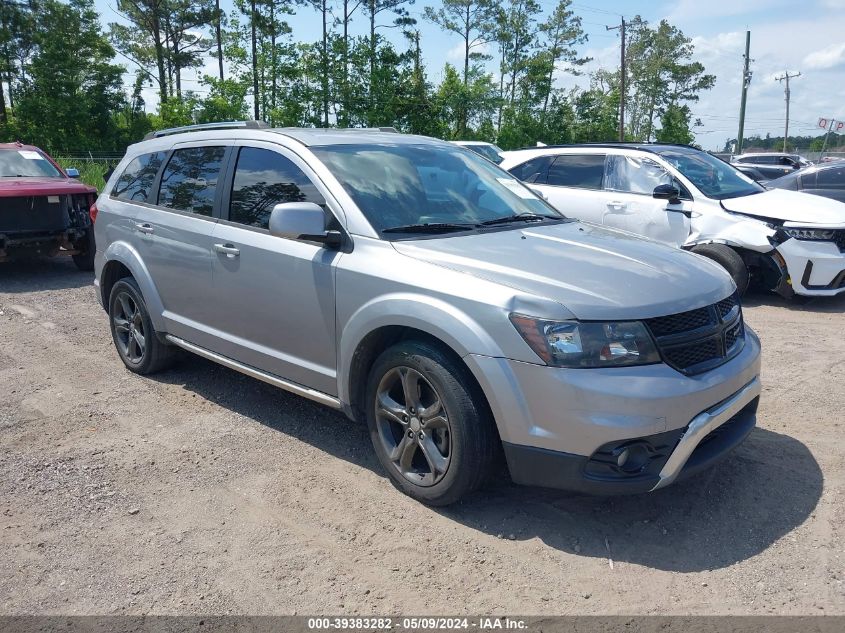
pixel 202 491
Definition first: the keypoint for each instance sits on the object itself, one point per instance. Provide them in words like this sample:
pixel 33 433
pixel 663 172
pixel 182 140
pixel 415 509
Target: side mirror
pixel 539 193
pixel 302 221
pixel 72 172
pixel 667 192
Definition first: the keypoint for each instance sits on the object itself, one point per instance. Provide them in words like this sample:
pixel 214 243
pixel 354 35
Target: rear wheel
pixel 84 260
pixel 431 432
pixel 132 330
pixel 728 259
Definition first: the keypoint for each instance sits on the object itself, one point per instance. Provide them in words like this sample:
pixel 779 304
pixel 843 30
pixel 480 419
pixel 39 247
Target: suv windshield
pixel 713 177
pixel 26 163
pixel 409 185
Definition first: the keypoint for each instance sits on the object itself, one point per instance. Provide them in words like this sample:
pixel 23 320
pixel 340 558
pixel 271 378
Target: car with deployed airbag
pixel 780 240
pixel 417 287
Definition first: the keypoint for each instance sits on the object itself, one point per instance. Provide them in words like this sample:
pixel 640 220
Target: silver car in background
pixel 417 286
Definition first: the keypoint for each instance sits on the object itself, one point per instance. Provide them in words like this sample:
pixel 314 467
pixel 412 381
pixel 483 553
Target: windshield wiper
pixel 522 217
pixel 431 227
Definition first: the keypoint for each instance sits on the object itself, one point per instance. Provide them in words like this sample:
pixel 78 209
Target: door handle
pixel 144 228
pixel 615 204
pixel 228 250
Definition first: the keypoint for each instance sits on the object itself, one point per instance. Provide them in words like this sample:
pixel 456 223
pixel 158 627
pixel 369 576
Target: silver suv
pixel 417 286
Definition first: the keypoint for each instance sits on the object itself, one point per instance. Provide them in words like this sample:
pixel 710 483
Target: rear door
pixel 274 298
pixel 629 204
pixel 173 236
pixel 572 183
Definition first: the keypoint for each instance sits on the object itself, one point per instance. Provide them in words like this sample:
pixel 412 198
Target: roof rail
pixel 225 125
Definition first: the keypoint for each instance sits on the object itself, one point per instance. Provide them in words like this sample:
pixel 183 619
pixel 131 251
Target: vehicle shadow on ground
pixel 764 490
pixel 58 273
pixel 799 304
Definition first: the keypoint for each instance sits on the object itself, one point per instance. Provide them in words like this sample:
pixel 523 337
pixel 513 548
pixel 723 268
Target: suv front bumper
pixel 815 268
pixel 565 428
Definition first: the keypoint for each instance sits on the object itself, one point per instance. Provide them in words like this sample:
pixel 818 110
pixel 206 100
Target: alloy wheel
pixel 129 328
pixel 413 426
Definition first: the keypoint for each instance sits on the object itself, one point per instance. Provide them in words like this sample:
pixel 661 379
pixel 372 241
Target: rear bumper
pixel 815 268
pixel 674 456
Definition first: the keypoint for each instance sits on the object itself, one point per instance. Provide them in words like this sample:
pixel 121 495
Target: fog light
pixel 632 458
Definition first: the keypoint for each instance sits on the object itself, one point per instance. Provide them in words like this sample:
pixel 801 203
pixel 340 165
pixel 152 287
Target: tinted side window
pixel 633 174
pixel 190 179
pixel 534 170
pixel 263 179
pixel 584 171
pixel 137 178
pixel 831 178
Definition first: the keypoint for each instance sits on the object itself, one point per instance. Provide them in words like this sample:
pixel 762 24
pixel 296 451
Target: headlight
pixel 588 344
pixel 810 234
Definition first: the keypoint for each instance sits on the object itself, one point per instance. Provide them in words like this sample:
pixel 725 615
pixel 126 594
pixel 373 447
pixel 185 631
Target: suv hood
pixel 594 272
pixel 792 207
pixel 16 187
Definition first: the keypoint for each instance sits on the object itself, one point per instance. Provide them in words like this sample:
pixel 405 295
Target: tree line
pixel 61 87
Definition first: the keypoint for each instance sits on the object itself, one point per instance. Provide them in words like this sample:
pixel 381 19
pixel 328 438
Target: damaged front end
pixel 45 225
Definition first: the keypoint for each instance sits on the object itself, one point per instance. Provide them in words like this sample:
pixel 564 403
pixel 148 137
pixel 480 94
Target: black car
pixel 826 180
pixel 751 172
pixel 772 164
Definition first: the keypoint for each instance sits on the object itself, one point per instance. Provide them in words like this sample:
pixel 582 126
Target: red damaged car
pixel 43 209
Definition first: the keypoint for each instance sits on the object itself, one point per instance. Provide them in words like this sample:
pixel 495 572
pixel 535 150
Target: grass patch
pixel 91 172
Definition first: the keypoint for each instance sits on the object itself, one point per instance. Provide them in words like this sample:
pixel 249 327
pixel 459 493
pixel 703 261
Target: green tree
pixel 675 125
pixel 71 89
pixel 661 74
pixel 474 22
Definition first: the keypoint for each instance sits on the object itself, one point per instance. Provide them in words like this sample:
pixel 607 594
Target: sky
pixel 806 36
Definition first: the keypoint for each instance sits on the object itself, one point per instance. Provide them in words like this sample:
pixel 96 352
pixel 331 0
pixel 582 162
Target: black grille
pixel 698 340
pixel 726 305
pixel 690 355
pixel 839 239
pixel 681 322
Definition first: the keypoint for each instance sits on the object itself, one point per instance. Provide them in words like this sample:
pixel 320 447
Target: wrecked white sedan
pixel 786 241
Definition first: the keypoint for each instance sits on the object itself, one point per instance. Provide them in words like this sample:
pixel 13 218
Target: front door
pixel 274 298
pixel 629 205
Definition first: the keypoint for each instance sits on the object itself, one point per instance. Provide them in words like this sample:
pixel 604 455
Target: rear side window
pixel 534 170
pixel 137 179
pixel 189 182
pixel 831 178
pixel 584 171
pixel 263 179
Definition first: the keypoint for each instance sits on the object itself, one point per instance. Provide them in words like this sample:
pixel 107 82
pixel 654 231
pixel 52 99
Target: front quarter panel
pixel 379 287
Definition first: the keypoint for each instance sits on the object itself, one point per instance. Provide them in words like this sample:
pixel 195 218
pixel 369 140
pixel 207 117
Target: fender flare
pixel 124 253
pixel 435 317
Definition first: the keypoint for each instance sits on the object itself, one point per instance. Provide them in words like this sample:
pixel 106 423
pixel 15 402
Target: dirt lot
pixel 203 491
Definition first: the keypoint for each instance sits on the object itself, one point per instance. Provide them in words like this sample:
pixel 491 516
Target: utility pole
pixel 621 28
pixel 746 80
pixel 786 76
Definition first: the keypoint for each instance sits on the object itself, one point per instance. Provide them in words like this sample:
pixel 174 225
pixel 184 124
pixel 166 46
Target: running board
pixel 305 392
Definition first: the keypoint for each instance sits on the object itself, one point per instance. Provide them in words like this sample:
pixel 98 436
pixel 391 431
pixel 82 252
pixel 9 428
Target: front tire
pixel 132 330
pixel 431 429
pixel 728 259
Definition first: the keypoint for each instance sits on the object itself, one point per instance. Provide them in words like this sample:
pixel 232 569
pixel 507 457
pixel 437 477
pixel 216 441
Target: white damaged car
pixel 786 241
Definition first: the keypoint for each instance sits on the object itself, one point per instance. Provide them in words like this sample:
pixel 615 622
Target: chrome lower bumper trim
pixel 311 394
pixel 701 425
